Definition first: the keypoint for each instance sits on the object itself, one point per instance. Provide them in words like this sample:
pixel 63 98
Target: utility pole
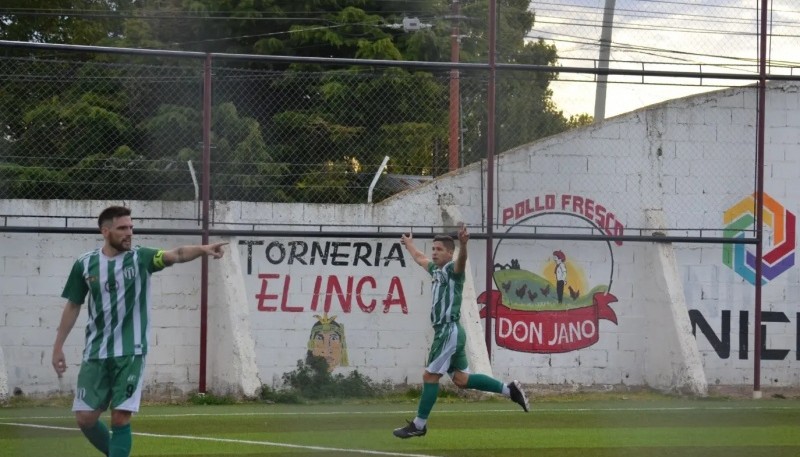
pixel 605 56
pixel 412 24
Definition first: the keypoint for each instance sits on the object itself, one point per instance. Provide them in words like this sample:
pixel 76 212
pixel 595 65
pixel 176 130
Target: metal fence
pixel 81 129
pixel 130 125
pixel 90 123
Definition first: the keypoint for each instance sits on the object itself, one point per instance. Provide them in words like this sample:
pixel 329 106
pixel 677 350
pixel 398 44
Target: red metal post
pixel 206 196
pixel 490 147
pixel 762 104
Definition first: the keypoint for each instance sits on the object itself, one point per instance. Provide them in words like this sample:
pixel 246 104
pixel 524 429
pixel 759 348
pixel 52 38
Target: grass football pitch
pixel 457 427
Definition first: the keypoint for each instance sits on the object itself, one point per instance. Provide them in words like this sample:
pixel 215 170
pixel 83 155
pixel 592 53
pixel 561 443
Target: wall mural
pixel 280 291
pixel 307 289
pixel 327 340
pixel 779 225
pixel 547 299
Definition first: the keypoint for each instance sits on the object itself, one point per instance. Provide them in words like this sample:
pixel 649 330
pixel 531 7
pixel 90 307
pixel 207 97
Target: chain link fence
pixel 101 130
pixel 130 127
pixel 321 136
pixel 83 129
pixel 660 51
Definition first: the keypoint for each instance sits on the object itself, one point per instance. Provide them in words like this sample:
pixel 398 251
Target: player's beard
pixel 121 245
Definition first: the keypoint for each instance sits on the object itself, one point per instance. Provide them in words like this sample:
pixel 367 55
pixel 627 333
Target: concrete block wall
pixel 35 269
pixel 690 160
pixel 3 378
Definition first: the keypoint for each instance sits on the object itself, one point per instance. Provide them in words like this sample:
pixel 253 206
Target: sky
pixel 698 36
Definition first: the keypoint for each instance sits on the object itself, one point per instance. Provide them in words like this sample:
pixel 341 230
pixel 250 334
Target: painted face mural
pixel 327 340
pixel 550 294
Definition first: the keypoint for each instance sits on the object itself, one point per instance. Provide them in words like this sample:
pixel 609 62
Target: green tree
pixel 64 132
pixel 281 132
pixel 352 122
pixel 62 21
pixel 242 167
pixel 525 110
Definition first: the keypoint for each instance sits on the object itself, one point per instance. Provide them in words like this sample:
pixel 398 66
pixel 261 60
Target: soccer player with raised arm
pixel 447 354
pixel 116 278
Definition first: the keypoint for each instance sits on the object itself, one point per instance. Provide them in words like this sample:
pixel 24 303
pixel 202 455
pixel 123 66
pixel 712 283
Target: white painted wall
pixel 231 349
pixel 688 160
pixel 3 378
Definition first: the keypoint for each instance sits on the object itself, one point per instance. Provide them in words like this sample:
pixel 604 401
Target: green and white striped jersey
pixel 119 299
pixel 446 290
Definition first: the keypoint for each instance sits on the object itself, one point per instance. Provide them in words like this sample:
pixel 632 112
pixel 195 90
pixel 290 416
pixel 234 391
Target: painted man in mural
pixel 327 340
pixel 561 273
pixel 447 354
pixel 116 278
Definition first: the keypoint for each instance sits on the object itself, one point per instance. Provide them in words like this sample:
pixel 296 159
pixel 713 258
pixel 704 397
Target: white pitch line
pixel 533 410
pixel 233 441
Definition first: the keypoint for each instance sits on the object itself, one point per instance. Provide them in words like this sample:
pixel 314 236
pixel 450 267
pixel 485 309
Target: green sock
pixel 98 436
pixel 484 383
pixel 430 392
pixel 120 441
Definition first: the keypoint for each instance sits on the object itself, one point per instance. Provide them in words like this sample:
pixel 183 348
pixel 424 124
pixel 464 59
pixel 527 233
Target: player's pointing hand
pixel 215 250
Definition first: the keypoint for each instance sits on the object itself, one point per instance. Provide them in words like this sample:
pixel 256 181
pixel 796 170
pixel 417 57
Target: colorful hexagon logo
pixel 779 248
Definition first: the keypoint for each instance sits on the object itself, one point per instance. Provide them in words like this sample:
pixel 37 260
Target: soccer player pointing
pixel 116 278
pixel 447 354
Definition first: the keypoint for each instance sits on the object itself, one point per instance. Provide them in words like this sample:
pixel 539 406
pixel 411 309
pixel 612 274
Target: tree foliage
pixel 39 21
pixel 95 128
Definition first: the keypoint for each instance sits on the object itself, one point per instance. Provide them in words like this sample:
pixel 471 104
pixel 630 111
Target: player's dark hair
pixel 447 241
pixel 111 213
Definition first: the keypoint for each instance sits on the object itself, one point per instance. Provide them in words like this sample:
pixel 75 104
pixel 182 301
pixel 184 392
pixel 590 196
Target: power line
pixel 206 15
pixel 546 19
pixel 680 17
pixel 219 16
pixel 627 47
pixel 651 28
pixel 165 16
pixel 724 8
pixel 660 52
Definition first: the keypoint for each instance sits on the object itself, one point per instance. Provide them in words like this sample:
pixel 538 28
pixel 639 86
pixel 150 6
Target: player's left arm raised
pixel 189 253
pixel 461 257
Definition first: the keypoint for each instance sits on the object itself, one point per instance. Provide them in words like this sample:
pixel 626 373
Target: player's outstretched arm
pixel 407 240
pixel 189 253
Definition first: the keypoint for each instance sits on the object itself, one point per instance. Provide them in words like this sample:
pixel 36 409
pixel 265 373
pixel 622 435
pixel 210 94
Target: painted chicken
pixel 574 293
pixel 545 290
